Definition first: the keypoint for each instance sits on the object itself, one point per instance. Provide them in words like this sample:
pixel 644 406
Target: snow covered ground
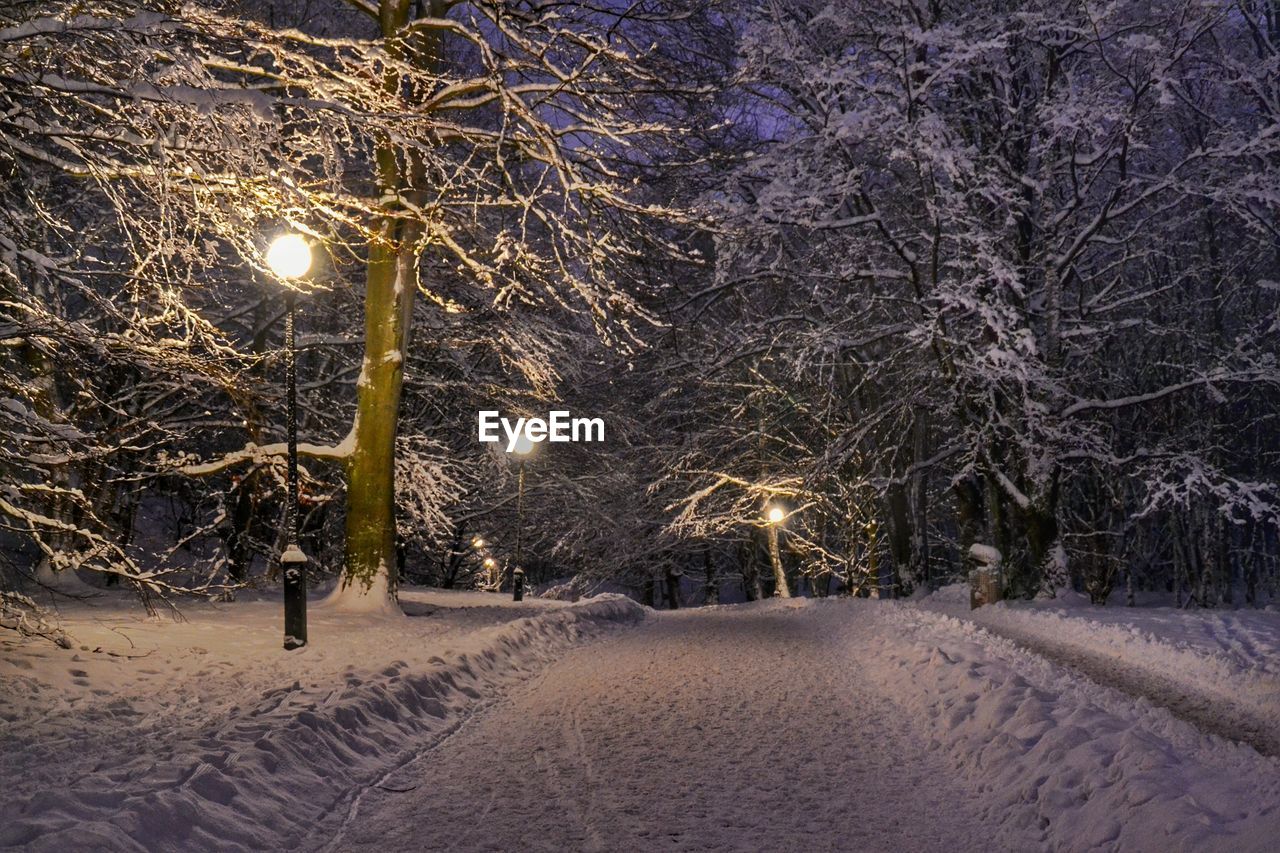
pixel 204 734
pixel 1071 763
pixel 1220 669
pixel 479 724
pixel 822 725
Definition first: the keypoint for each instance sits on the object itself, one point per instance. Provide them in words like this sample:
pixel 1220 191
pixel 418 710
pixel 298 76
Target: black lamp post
pixel 522 448
pixel 290 257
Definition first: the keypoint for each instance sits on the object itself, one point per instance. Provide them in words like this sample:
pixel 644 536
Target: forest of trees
pixel 926 274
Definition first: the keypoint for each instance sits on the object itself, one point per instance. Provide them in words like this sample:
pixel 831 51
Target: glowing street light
pixel 478 543
pixel 775 515
pixel 289 257
pixel 522 448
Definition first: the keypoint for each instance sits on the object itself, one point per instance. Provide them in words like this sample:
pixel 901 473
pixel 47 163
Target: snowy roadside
pixel 825 725
pixel 1217 669
pixel 1064 760
pixel 204 735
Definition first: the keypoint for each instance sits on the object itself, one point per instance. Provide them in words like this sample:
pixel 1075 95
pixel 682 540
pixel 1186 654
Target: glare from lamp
pixel 523 445
pixel 775 514
pixel 289 256
pixel 477 543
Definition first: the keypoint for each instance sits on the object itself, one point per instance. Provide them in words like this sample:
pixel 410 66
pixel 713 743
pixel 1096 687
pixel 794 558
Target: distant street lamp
pixel 289 258
pixel 523 447
pixel 775 515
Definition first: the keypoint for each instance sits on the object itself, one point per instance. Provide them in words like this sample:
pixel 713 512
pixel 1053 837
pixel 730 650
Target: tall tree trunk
pixel 673 587
pixel 747 561
pixel 900 532
pixel 369 581
pixel 920 568
pixel 780 588
pixel 711 584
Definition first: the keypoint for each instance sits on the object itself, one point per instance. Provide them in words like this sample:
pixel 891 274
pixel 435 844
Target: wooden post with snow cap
pixel 985 581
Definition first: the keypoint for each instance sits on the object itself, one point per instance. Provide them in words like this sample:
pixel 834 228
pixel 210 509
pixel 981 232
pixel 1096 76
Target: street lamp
pixel 523 447
pixel 289 258
pixel 775 515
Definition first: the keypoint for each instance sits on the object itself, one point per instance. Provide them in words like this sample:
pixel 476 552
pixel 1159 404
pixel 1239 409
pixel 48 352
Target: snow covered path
pixel 725 729
pixel 821 725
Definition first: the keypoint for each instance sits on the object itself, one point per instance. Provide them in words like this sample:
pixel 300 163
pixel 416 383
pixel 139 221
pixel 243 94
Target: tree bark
pixel 711 585
pixel 371 524
pixel 775 558
pixel 369 581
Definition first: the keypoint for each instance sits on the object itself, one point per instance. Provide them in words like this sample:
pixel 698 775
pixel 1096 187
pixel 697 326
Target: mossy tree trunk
pixel 369 579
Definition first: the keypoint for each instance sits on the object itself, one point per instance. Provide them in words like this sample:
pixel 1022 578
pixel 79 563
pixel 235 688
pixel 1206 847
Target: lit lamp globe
pixel 477 543
pixel 523 446
pixel 775 514
pixel 489 562
pixel 289 256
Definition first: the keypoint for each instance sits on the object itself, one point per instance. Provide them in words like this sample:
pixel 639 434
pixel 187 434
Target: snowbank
pixel 1220 664
pixel 274 772
pixel 1061 759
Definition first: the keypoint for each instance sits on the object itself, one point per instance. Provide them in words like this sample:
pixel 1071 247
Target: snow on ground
pixel 204 734
pixel 821 725
pixel 479 724
pixel 1220 669
pixel 732 728
pixel 1072 763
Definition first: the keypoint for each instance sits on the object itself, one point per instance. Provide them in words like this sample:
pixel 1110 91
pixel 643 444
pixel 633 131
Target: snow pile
pixel 1219 664
pixel 275 773
pixel 1063 760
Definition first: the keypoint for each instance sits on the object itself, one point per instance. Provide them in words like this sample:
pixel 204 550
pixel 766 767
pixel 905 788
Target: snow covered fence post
pixel 985 581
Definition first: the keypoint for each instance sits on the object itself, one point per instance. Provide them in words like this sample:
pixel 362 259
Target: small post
pixel 985 582
pixel 517 584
